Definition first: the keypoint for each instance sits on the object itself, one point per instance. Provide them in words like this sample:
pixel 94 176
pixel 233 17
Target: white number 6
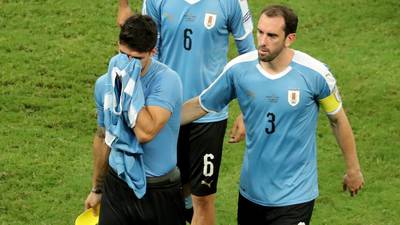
pixel 208 168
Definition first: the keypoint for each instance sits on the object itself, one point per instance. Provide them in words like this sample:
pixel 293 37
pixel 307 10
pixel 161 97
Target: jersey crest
pixel 293 97
pixel 209 20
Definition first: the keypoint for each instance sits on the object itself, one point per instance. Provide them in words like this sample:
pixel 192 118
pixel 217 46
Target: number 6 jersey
pixel 193 39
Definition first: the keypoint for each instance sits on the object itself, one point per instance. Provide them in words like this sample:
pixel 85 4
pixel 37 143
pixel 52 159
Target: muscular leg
pixel 204 209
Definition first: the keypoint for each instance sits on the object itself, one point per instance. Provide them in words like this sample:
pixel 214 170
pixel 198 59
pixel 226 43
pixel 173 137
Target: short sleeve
pixel 166 92
pixel 152 9
pixel 328 93
pixel 241 25
pixel 219 93
pixel 99 99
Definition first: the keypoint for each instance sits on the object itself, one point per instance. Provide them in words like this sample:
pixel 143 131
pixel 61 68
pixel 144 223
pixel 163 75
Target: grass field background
pixel 51 53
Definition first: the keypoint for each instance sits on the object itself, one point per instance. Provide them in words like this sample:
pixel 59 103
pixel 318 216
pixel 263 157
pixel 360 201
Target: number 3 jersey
pixel 280 113
pixel 193 39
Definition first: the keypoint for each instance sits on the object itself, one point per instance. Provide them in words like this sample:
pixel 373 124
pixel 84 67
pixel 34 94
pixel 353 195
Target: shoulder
pixel 101 82
pixel 242 59
pixel 161 68
pixel 231 3
pixel 165 75
pixel 309 62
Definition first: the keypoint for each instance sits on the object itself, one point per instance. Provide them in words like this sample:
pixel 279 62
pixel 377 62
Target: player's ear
pixel 290 38
pixel 153 51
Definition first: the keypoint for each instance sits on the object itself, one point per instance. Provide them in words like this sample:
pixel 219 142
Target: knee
pixel 203 202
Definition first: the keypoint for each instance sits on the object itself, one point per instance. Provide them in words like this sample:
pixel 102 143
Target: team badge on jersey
pixel 293 97
pixel 209 20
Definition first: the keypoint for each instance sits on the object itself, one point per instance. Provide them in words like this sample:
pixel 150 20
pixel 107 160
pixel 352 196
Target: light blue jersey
pixel 193 39
pixel 161 87
pixel 119 96
pixel 280 112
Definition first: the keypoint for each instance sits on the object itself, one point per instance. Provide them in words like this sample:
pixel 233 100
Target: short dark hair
pixel 139 33
pixel 287 13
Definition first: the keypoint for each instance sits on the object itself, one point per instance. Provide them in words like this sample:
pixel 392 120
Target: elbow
pixel 144 137
pixel 120 22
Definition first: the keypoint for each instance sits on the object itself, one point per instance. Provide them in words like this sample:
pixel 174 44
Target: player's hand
pixel 353 182
pixel 93 201
pixel 238 130
pixel 124 12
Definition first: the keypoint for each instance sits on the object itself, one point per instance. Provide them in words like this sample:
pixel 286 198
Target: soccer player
pixel 117 181
pixel 193 40
pixel 279 91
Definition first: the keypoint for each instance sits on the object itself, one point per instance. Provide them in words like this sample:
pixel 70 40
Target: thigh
pixel 205 152
pixel 163 206
pixel 299 214
pixel 183 161
pixel 250 213
pixel 115 201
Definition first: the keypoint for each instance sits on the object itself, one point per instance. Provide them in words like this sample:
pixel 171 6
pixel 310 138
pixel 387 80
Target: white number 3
pixel 208 168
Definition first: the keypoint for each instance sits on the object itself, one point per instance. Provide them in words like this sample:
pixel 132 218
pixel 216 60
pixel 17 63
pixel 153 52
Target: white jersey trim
pixel 336 110
pixel 192 2
pixel 316 65
pixel 144 9
pixel 247 21
pixel 249 56
pixel 109 138
pixel 203 107
pixel 273 76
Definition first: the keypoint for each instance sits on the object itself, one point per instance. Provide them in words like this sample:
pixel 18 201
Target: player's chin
pixel 263 55
pixel 264 58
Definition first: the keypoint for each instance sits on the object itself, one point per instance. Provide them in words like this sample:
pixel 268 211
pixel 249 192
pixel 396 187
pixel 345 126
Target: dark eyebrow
pixel 272 34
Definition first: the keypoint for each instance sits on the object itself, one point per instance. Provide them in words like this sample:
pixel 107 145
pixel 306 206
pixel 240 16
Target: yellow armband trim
pixel 330 103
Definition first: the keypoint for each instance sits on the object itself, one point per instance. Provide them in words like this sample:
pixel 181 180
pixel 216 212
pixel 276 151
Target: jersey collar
pixel 273 76
pixel 192 2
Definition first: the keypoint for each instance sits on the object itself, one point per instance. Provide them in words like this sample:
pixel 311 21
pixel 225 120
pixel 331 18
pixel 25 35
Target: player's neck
pixel 145 68
pixel 280 63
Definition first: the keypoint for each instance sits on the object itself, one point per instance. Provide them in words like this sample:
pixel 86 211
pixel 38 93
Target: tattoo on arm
pixel 100 132
pixel 100 181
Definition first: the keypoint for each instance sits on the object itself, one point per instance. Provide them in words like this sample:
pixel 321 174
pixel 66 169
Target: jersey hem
pixel 279 204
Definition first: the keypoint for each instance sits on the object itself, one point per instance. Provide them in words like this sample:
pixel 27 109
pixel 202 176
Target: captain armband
pixel 332 103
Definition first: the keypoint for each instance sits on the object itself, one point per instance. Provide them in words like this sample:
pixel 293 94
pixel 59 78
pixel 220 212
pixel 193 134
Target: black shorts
pixel 250 213
pixel 162 204
pixel 199 155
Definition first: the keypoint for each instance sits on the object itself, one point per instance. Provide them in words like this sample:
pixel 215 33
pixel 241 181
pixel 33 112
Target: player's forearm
pixel 145 129
pixel 124 12
pixel 245 45
pixel 100 159
pixel 345 138
pixel 191 111
pixel 150 120
pixel 123 3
